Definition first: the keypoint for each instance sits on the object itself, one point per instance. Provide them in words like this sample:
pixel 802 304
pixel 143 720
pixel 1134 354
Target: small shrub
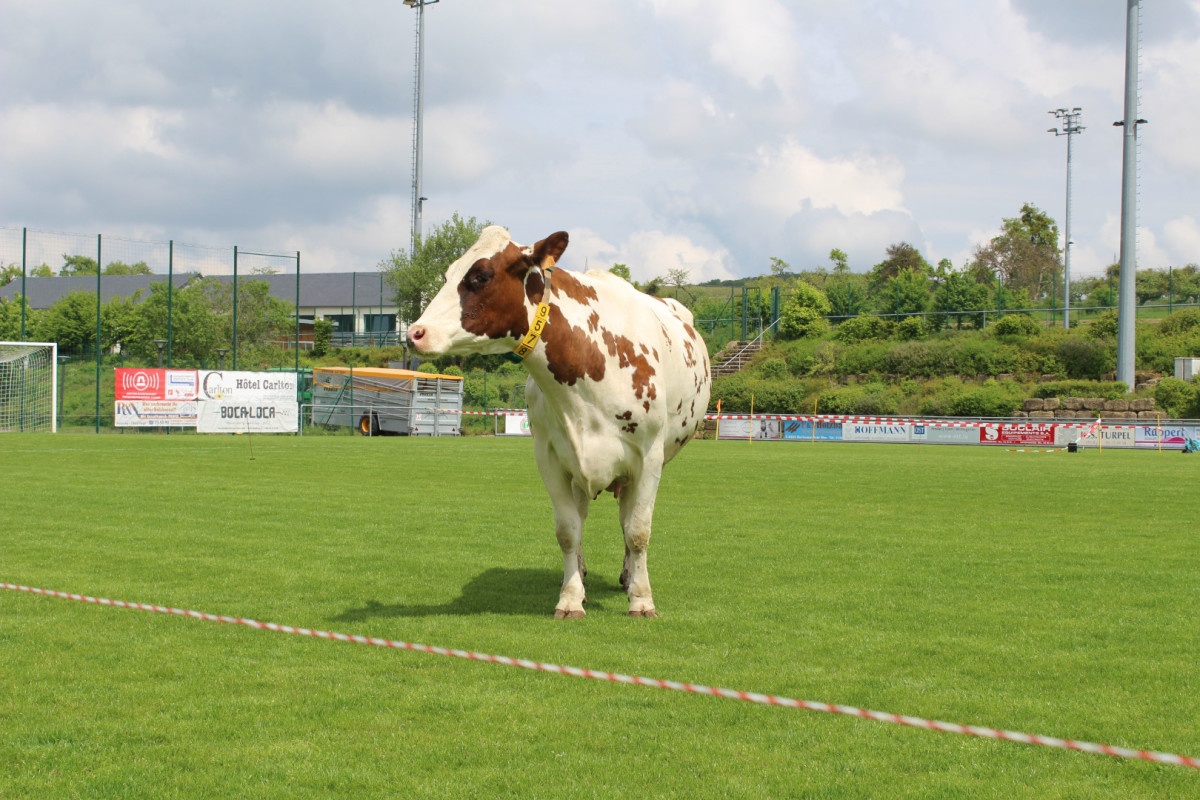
pixel 862 329
pixel 772 369
pixel 1086 359
pixel 1180 322
pixel 452 370
pixel 990 400
pixel 801 322
pixel 1103 326
pixel 1178 398
pixel 1016 325
pixel 910 328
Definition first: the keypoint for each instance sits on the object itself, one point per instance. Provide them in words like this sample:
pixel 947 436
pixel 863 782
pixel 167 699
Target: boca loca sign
pixel 247 402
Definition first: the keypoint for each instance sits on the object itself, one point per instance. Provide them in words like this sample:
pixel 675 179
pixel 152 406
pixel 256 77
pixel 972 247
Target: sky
pixel 704 135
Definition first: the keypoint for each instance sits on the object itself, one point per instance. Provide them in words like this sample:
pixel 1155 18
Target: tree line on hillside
pixel 1020 268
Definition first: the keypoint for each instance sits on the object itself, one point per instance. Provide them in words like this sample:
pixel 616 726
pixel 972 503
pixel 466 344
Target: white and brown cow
pixel 618 383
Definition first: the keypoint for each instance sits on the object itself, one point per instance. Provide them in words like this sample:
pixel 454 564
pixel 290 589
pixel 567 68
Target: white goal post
pixel 28 386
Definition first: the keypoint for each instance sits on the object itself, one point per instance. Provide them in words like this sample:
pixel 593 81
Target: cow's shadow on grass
pixel 529 592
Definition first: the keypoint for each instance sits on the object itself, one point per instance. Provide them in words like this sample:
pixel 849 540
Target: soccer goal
pixel 28 386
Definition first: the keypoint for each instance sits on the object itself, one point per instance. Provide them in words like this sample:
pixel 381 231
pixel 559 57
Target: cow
pixel 618 382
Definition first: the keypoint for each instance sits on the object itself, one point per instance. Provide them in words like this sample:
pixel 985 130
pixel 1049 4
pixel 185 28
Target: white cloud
pixel 790 177
pixel 649 254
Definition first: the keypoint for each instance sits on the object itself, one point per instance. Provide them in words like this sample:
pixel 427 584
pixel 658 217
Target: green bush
pixel 801 322
pixel 1016 325
pixel 1181 322
pixel 862 329
pixel 990 400
pixel 910 328
pixel 772 369
pixel 1103 326
pixel 1086 359
pixel 1178 398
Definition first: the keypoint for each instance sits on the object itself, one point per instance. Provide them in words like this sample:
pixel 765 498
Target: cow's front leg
pixel 570 512
pixel 637 511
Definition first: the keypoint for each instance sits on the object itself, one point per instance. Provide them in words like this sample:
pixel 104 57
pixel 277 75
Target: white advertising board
pixel 875 432
pixel 516 425
pixel 247 402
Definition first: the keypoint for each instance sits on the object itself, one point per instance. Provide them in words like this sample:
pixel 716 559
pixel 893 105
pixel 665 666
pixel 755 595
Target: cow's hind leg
pixel 637 511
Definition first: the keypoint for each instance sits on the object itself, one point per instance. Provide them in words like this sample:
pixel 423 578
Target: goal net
pixel 28 386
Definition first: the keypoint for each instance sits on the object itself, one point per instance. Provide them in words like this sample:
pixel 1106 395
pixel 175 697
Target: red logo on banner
pixel 1020 433
pixel 139 384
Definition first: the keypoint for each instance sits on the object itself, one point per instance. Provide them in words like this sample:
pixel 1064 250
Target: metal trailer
pixel 387 401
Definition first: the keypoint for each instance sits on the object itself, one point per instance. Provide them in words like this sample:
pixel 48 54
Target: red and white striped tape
pixel 616 677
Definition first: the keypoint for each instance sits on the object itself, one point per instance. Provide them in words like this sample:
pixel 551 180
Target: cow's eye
pixel 478 279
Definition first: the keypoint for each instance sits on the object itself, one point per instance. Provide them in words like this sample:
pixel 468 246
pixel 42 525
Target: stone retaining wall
pixel 1088 408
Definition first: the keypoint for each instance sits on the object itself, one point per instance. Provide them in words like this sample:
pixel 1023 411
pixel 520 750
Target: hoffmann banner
pixel 214 401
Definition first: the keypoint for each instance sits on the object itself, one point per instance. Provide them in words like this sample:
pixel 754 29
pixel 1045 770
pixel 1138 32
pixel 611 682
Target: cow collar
pixel 526 345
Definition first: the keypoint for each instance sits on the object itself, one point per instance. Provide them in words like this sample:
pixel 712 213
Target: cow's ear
pixel 552 246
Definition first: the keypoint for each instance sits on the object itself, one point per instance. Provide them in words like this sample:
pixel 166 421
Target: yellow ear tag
pixel 539 317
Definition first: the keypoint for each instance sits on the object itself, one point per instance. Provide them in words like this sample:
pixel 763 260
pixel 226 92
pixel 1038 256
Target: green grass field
pixel 1048 594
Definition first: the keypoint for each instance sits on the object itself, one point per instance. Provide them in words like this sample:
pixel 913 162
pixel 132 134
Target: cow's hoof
pixel 560 613
pixel 648 613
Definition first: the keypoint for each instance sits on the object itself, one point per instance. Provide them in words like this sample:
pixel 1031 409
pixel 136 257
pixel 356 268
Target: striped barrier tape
pixel 932 423
pixel 616 677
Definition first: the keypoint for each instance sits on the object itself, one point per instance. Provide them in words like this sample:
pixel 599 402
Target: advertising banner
pixel 1112 436
pixel 743 428
pixel 827 431
pixel 155 413
pixel 150 398
pixel 1017 433
pixel 516 425
pixel 875 432
pixel 247 402
pixel 1169 436
pixel 937 434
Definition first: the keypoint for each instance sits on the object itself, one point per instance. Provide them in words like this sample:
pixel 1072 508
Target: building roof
pixel 327 289
pixel 45 292
pixel 317 290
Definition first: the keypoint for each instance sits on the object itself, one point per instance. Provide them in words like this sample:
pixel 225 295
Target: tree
pixel 958 292
pixel 322 334
pixel 847 294
pixel 41 271
pixel 9 273
pixel 416 277
pixel 78 265
pixel 621 271
pixel 121 268
pixel 841 262
pixel 71 322
pixel 906 293
pixel 1025 255
pixel 901 256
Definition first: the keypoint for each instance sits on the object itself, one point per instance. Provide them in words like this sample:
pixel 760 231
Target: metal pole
pixel 170 291
pixel 24 234
pixel 235 293
pixel 298 325
pixel 1067 233
pixel 1127 297
pixel 418 121
pixel 98 271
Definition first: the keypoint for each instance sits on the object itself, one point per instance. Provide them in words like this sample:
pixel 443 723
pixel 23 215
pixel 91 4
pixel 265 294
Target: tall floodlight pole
pixel 418 122
pixel 1126 305
pixel 1069 118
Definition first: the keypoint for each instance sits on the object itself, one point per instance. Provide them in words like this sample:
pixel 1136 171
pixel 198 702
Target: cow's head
pixel 490 293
